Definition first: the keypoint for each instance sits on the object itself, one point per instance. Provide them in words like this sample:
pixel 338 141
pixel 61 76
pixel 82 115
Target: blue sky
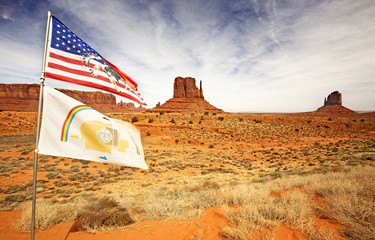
pixel 253 55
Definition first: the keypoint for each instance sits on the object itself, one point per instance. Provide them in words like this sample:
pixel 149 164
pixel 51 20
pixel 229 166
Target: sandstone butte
pixel 333 106
pixel 25 97
pixel 187 98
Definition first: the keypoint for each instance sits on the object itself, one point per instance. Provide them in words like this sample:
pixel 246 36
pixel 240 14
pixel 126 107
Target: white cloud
pixel 251 55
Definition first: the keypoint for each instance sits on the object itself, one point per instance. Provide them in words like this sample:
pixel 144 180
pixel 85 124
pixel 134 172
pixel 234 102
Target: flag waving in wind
pixel 71 129
pixel 72 60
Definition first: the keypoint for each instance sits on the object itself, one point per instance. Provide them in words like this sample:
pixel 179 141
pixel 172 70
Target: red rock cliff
pixel 25 97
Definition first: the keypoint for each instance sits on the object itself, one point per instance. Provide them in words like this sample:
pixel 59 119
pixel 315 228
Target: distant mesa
pixel 25 97
pixel 333 106
pixel 187 98
pixel 333 99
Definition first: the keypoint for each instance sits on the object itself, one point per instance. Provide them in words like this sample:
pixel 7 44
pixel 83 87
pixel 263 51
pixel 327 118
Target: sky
pixel 251 55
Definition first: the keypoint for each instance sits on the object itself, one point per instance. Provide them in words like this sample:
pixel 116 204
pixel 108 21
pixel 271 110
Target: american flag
pixel 72 60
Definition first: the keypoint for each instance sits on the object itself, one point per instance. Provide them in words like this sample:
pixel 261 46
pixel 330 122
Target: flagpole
pixel 42 78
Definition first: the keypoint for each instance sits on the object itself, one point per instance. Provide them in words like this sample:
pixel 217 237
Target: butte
pixel 187 98
pixel 333 106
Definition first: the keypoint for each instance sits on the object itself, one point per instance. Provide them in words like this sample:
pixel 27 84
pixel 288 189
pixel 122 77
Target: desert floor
pixel 207 173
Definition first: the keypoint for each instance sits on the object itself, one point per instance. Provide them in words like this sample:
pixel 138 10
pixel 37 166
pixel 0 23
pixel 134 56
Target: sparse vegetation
pixel 272 162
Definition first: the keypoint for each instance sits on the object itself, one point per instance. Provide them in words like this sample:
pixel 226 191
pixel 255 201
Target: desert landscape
pixel 212 175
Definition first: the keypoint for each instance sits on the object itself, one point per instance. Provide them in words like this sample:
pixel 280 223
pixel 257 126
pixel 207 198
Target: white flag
pixel 72 129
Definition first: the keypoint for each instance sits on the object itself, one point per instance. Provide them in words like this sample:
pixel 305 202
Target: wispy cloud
pixel 251 55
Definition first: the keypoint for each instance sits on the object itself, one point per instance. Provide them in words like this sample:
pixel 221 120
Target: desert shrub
pixel 15 188
pixel 150 120
pixel 161 113
pixel 148 134
pixel 190 122
pixel 173 121
pixel 52 175
pixel 206 113
pixel 15 198
pixel 91 213
pixel 102 212
pixel 134 119
pixel 221 118
pixel 74 168
pixel 75 177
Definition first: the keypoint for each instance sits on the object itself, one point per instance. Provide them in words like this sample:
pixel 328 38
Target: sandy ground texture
pixel 182 149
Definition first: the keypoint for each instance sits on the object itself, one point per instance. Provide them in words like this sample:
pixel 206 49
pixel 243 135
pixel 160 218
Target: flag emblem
pixel 74 130
pixel 70 59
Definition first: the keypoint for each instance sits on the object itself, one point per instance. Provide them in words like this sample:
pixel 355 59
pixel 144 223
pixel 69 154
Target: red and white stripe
pixel 70 67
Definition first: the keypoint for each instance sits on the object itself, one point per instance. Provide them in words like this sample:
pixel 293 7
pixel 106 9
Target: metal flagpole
pixel 42 78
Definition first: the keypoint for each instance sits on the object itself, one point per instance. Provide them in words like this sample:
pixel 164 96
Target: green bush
pixel 134 119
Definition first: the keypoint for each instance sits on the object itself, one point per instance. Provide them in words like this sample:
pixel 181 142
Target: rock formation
pixel 333 106
pixel 333 99
pixel 25 97
pixel 187 98
pixel 185 88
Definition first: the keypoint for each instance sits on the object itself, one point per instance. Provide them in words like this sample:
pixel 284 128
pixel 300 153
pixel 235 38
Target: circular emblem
pixel 104 135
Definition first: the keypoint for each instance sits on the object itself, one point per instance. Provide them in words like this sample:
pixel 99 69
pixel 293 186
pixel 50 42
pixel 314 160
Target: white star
pixel 68 41
pixel 63 30
pixel 63 37
pixel 68 48
pixel 58 31
pixel 69 35
pixel 79 51
pixel 74 46
pixel 57 45
pixel 58 25
pixel 74 40
pixel 58 38
pixel 62 43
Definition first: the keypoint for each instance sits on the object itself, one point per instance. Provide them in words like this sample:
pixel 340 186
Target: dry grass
pixel 349 200
pixel 91 214
pixel 249 206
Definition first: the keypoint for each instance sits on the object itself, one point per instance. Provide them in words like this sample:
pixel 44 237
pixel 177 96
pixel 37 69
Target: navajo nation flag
pixel 71 129
pixel 72 60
